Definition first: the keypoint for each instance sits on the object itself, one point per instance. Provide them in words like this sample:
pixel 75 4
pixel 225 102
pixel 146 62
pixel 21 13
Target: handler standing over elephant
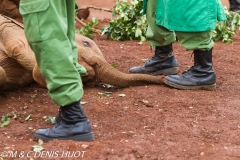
pixel 50 31
pixel 191 23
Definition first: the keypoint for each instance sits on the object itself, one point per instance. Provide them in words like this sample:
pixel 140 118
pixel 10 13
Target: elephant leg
pixel 37 76
pixel 12 74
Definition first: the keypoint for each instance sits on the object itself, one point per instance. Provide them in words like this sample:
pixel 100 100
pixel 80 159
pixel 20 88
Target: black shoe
pixel 234 5
pixel 72 124
pixel 162 63
pixel 199 76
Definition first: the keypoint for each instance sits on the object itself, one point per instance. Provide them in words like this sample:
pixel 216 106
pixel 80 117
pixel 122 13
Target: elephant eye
pixel 86 44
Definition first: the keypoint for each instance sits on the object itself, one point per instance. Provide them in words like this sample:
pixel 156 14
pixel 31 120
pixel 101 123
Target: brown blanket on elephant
pixel 10 9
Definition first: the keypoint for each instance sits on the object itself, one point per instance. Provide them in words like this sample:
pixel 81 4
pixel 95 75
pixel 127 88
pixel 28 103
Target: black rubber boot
pixel 162 63
pixel 71 124
pixel 235 5
pixel 199 76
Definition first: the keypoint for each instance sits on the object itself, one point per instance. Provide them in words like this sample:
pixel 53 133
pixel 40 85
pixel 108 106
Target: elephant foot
pixel 37 76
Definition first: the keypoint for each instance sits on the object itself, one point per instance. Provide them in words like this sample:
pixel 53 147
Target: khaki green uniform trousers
pixel 49 26
pixel 160 36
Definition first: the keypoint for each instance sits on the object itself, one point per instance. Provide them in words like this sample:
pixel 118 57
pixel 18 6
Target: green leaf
pixel 52 119
pixel 114 66
pixel 88 29
pixel 37 148
pixel 28 118
pixel 5 121
pixel 129 24
pixel 227 29
pixel 138 32
pixel 121 95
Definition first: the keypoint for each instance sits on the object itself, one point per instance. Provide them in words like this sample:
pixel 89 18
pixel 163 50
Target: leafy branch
pixel 129 23
pixel 226 30
pixel 89 27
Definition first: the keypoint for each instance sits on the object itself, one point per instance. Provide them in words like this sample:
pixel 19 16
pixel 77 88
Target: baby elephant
pixel 18 65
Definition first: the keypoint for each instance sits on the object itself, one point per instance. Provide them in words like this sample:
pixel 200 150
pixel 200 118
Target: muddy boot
pixel 71 124
pixel 162 63
pixel 199 76
pixel 235 5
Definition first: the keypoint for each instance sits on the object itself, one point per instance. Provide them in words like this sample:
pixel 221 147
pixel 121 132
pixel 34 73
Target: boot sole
pixel 83 137
pixel 166 72
pixel 203 87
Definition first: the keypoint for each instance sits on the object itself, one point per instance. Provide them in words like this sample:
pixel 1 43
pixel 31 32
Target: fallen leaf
pixel 121 95
pixel 37 148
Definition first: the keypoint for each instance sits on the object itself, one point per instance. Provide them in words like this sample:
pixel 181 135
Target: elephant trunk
pixel 104 72
pixel 107 74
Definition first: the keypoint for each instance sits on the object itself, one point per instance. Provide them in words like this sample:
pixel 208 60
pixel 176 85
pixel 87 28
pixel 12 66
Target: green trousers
pixel 160 36
pixel 49 26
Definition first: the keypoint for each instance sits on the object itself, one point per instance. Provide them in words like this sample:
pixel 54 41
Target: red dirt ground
pixel 176 124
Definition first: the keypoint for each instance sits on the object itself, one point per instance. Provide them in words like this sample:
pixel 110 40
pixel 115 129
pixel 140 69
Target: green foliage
pixel 5 121
pixel 129 23
pixel 50 118
pixel 114 66
pixel 37 148
pixel 226 30
pixel 88 29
